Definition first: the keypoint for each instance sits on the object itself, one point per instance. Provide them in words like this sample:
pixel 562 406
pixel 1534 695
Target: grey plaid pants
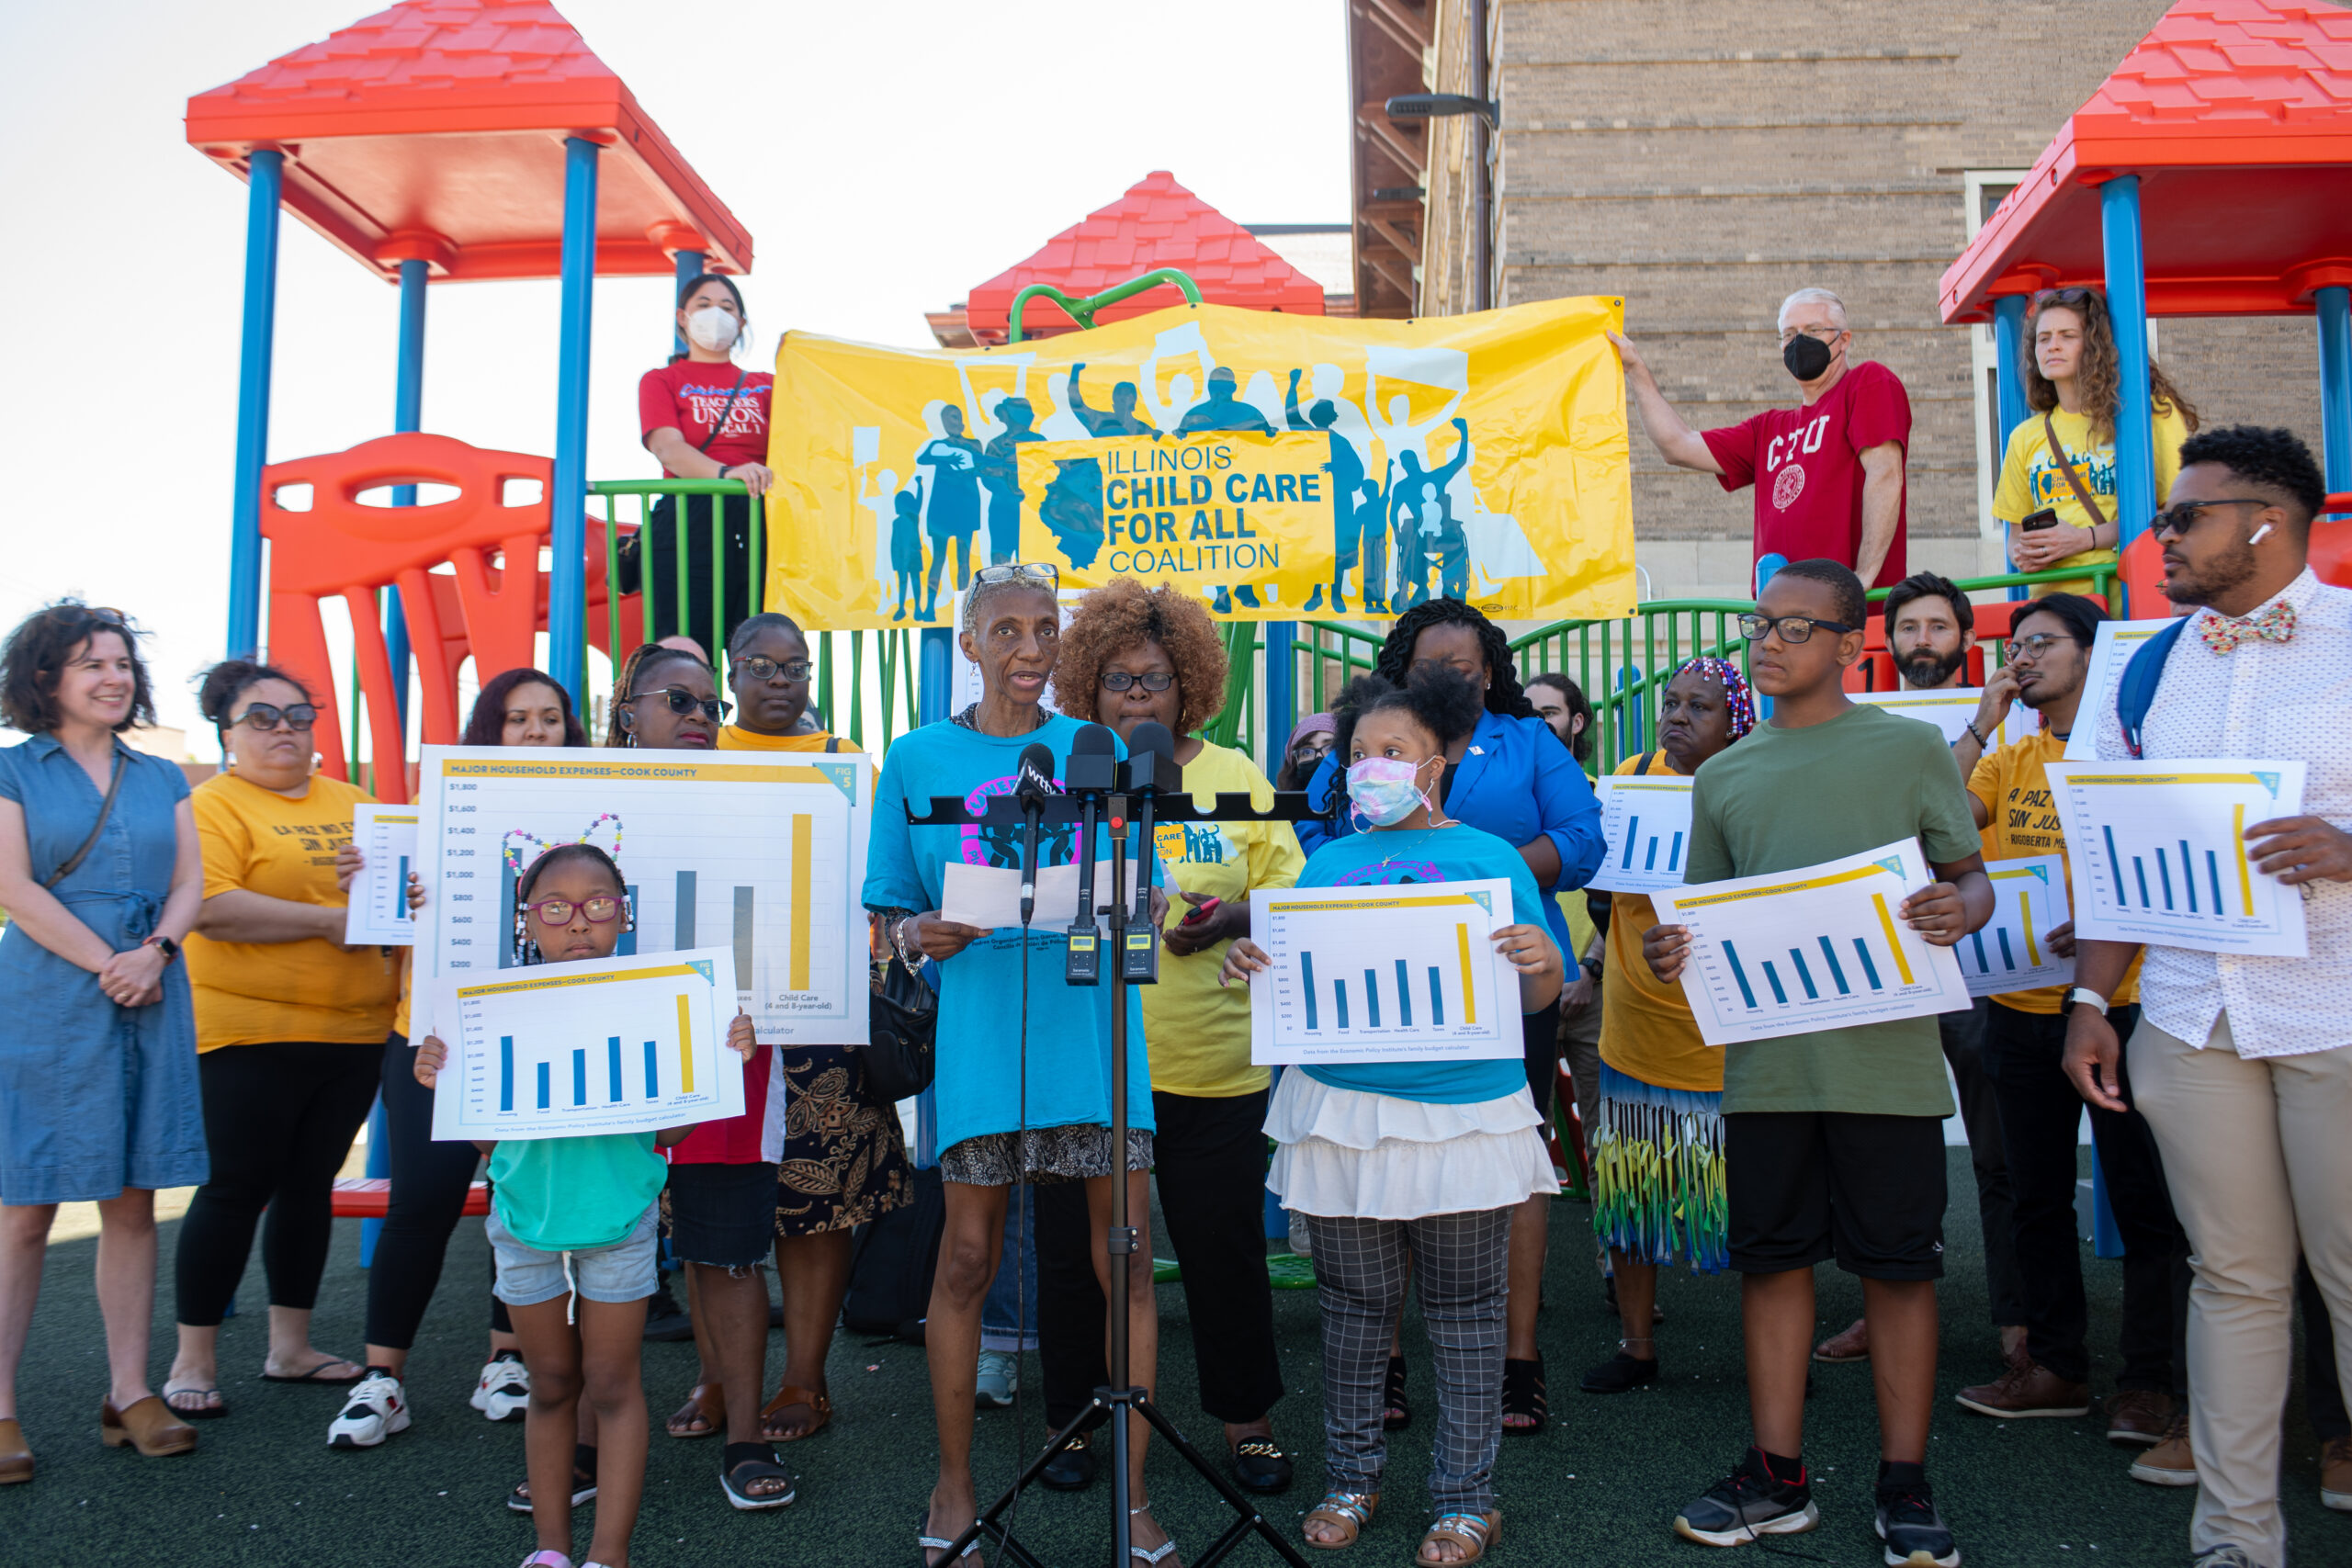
pixel 1461 1268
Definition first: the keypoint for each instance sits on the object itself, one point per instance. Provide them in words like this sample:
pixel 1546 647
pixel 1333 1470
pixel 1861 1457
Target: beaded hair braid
pixel 1739 705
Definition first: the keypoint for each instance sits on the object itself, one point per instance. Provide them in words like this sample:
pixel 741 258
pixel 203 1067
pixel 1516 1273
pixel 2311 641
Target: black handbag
pixel 902 1027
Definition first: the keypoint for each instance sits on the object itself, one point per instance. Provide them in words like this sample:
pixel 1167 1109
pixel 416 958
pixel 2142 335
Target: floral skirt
pixel 1657 1173
pixel 1076 1152
pixel 844 1160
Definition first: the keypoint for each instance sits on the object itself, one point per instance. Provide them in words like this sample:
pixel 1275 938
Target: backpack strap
pixel 832 743
pixel 2136 692
pixel 1643 766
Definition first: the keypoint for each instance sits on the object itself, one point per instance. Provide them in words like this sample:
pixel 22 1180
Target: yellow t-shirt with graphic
pixel 1197 1030
pixel 2022 820
pixel 2032 477
pixel 251 992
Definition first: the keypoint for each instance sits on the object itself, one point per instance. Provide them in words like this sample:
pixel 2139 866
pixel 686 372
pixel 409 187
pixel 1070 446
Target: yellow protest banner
pixel 1276 465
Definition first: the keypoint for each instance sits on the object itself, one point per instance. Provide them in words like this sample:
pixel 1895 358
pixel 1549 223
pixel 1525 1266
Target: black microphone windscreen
pixel 1036 774
pixel 1151 737
pixel 1092 739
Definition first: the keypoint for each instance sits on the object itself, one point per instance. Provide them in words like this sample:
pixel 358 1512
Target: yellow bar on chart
pixel 1469 995
pixel 2245 865
pixel 1894 942
pixel 804 834
pixel 685 1043
pixel 2025 919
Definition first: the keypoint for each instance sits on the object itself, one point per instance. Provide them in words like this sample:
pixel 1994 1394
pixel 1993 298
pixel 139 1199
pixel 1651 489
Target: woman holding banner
pixel 1413 1168
pixel 430 1182
pixel 1032 1104
pixel 1510 776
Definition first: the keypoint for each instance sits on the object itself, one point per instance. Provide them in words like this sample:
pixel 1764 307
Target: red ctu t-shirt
pixel 686 395
pixel 1806 465
pixel 738 1140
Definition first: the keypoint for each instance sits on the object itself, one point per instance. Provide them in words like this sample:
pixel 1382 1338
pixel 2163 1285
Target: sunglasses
pixel 84 614
pixel 1040 573
pixel 682 702
pixel 2180 517
pixel 1792 628
pixel 1120 681
pixel 2073 295
pixel 760 667
pixel 265 716
pixel 559 912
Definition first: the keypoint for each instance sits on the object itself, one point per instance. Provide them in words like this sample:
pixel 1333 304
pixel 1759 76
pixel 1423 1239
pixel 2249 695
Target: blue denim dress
pixel 95 1098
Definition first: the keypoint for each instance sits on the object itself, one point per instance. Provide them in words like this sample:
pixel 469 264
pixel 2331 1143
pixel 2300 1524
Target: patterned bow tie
pixel 2222 634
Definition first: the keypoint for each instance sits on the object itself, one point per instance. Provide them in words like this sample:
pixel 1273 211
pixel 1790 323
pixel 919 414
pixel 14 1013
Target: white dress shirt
pixel 2285 700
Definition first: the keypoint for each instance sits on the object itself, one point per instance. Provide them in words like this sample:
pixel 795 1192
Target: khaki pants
pixel 2258 1156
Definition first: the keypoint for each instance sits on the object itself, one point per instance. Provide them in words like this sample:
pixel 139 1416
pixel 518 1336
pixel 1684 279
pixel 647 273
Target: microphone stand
pixel 1120 1397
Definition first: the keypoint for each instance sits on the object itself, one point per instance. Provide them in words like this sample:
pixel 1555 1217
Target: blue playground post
pixel 2127 311
pixel 2334 305
pixel 1281 699
pixel 568 495
pixel 2010 349
pixel 264 183
pixel 1764 566
pixel 689 265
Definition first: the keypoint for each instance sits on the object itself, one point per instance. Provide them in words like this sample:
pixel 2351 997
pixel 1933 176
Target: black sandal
pixel 1524 1395
pixel 583 1481
pixel 743 1464
pixel 1394 1414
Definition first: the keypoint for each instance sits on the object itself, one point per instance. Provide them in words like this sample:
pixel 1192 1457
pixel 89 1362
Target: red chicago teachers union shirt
pixel 687 395
pixel 1806 465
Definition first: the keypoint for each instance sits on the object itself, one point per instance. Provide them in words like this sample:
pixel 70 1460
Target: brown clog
pixel 149 1426
pixel 16 1458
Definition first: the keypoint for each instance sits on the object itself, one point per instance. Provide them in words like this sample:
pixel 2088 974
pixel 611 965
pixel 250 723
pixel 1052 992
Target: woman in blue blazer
pixel 1514 779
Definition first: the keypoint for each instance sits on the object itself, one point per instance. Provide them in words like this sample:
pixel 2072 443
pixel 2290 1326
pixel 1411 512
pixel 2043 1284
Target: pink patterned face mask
pixel 1383 789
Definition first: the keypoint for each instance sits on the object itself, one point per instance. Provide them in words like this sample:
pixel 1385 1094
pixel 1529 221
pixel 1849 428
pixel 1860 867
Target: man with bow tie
pixel 2243 1064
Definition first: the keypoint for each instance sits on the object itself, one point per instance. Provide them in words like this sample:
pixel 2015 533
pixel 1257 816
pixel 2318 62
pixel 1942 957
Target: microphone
pixel 1034 783
pixel 1091 773
pixel 1151 772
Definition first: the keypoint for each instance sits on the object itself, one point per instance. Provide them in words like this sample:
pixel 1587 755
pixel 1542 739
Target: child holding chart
pixel 1412 1165
pixel 573 1227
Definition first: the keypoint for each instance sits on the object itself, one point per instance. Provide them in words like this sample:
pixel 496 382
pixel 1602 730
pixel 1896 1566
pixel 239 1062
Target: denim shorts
pixel 618 1272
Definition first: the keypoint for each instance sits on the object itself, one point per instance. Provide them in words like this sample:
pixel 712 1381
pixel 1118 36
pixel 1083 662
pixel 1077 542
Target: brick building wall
pixel 1703 158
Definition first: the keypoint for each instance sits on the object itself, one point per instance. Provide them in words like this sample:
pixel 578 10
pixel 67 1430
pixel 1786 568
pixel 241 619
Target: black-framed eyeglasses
pixel 2181 516
pixel 682 702
pixel 559 912
pixel 2032 647
pixel 1043 574
pixel 269 715
pixel 1150 681
pixel 760 667
pixel 1792 628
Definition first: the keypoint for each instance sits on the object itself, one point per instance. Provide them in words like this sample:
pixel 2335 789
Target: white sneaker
pixel 377 1408
pixel 503 1390
pixel 1000 1378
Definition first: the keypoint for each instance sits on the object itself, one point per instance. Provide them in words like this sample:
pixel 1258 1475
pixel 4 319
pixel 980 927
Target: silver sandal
pixel 933 1543
pixel 1163 1549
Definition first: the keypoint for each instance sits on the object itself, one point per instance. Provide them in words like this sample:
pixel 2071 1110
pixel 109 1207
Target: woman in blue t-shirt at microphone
pixel 1017 1100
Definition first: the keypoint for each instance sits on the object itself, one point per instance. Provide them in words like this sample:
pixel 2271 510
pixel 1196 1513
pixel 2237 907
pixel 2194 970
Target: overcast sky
pixel 886 157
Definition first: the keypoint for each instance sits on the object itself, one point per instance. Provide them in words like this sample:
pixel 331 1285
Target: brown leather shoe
pixel 147 1425
pixel 2335 1475
pixel 2030 1390
pixel 2170 1462
pixel 2138 1415
pixel 16 1458
pixel 1853 1345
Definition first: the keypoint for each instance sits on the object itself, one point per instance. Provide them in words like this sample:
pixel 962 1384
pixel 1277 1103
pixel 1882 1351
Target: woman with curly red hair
pixel 1133 656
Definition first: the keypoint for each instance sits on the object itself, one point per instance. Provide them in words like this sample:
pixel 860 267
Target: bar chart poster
pixel 2011 953
pixel 2111 649
pixel 378 913
pixel 763 853
pixel 2160 854
pixel 1401 973
pixel 1820 947
pixel 608 1045
pixel 1647 820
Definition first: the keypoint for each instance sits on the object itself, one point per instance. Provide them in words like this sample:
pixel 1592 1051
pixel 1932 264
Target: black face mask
pixel 1806 357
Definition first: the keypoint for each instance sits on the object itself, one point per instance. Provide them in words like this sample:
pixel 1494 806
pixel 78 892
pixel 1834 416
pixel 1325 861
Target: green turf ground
pixel 1599 1488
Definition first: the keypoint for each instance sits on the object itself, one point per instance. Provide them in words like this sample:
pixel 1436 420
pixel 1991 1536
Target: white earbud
pixel 2259 534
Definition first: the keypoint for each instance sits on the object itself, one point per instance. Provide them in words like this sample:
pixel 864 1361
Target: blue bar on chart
pixel 1372 997
pixel 2213 876
pixel 652 1070
pixel 580 1076
pixel 1984 966
pixel 1674 857
pixel 2164 875
pixel 612 1066
pixel 1869 968
pixel 1836 972
pixel 1339 993
pixel 2003 935
pixel 543 1086
pixel 2115 866
pixel 1796 956
pixel 1747 992
pixel 1649 862
pixel 1773 980
pixel 1307 977
pixel 2139 871
pixel 1403 997
pixel 1633 832
pixel 2188 876
pixel 399 894
pixel 507 1072
pixel 1437 1000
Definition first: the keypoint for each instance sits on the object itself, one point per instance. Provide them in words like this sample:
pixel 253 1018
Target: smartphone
pixel 2045 518
pixel 1200 911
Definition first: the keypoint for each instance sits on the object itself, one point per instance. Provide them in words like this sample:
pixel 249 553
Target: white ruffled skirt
pixel 1342 1153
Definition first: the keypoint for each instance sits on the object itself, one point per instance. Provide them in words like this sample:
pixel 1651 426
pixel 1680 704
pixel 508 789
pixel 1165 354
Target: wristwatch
pixel 1591 966
pixel 2082 996
pixel 165 945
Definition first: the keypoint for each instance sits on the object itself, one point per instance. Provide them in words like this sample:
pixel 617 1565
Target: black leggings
pixel 430 1182
pixel 279 1119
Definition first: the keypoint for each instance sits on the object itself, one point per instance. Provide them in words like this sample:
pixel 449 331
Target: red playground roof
pixel 2237 117
pixel 434 130
pixel 1158 223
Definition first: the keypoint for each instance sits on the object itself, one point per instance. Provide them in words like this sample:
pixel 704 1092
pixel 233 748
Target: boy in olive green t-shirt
pixel 1833 1142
